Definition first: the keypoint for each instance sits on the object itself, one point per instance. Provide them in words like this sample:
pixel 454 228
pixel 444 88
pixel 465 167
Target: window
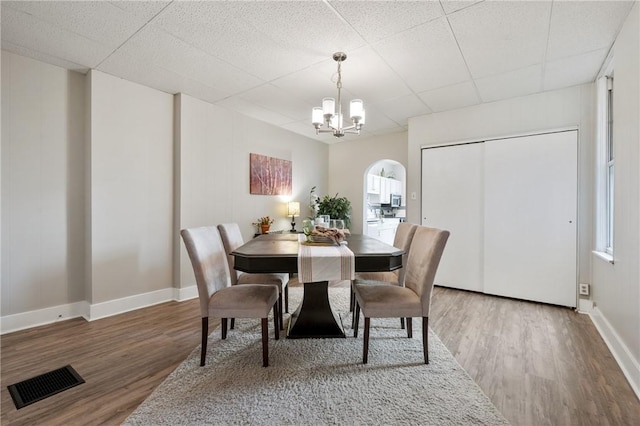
pixel 606 163
pixel 608 246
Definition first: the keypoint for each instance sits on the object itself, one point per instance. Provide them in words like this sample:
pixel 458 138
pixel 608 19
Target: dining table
pixel 314 317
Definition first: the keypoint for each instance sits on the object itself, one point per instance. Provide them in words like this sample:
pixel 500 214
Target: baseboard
pixel 130 303
pixel 628 364
pixel 24 320
pixel 30 319
pixel 585 306
pixel 187 293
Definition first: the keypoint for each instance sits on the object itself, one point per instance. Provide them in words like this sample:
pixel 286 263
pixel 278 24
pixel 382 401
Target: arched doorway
pixel 384 199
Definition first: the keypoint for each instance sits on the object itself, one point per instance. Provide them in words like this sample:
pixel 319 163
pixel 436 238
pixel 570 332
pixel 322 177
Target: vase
pixel 265 228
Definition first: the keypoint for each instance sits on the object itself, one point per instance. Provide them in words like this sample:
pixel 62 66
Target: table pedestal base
pixel 314 318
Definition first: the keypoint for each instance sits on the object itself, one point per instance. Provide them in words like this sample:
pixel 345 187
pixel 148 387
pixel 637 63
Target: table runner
pixel 324 262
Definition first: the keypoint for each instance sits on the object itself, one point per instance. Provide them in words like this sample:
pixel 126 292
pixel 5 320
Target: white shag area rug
pixel 319 381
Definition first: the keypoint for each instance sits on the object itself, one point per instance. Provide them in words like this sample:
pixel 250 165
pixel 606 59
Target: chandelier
pixel 327 115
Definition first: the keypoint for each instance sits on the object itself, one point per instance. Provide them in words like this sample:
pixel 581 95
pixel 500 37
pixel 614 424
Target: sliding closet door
pixel 452 193
pixel 530 217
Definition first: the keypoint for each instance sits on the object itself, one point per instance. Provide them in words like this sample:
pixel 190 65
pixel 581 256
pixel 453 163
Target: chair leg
pixel 286 299
pixel 365 349
pixel 280 306
pixel 265 342
pixel 409 328
pixel 402 323
pixel 223 327
pixel 356 321
pixel 233 323
pixel 352 300
pixel 205 335
pixel 276 321
pixel 425 338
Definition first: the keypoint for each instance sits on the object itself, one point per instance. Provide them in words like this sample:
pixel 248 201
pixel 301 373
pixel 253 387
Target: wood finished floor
pixel 539 364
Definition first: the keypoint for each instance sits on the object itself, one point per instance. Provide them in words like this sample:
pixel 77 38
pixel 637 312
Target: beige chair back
pixel 231 239
pixel 208 260
pixel 402 240
pixel 426 251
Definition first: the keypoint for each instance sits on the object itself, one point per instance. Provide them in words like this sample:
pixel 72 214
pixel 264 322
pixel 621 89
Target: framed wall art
pixel 269 175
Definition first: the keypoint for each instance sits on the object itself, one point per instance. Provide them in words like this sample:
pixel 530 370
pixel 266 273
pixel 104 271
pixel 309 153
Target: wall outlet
pixel 584 289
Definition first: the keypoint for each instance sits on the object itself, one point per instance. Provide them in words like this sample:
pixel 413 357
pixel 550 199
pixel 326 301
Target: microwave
pixel 395 200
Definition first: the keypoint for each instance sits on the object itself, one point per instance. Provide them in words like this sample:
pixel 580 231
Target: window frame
pixel 605 171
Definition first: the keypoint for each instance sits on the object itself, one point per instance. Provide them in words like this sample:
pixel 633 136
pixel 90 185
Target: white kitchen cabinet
pixel 385 190
pixel 384 230
pixel 396 186
pixel 373 184
pixel 511 207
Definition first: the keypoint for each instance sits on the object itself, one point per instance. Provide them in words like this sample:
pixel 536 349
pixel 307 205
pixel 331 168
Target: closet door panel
pixel 530 217
pixel 452 199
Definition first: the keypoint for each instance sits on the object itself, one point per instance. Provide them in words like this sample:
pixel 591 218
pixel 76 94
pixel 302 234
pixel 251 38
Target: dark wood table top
pixel 279 253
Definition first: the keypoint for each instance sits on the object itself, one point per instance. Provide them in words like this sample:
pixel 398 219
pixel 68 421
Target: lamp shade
pixel 356 110
pixel 316 116
pixel 328 106
pixel 293 208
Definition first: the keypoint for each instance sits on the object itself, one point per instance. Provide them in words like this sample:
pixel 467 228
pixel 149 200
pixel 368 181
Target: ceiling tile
pixel 426 57
pixel 144 10
pixel 451 97
pixel 221 30
pixel 502 36
pixel 99 21
pixel 584 26
pixel 276 99
pixel 512 84
pixel 25 30
pixel 236 103
pixel 573 70
pixel 302 26
pixel 166 51
pixel 400 109
pixel 451 6
pixel 362 73
pixel 43 57
pixel 377 121
pixel 309 85
pixel 381 19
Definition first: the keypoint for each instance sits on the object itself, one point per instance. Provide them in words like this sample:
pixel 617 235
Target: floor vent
pixel 43 386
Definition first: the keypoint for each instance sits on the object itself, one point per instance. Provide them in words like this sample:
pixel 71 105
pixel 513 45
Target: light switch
pixel 414 196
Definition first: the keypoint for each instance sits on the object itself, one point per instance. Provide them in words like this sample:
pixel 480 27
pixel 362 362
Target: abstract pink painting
pixel 269 175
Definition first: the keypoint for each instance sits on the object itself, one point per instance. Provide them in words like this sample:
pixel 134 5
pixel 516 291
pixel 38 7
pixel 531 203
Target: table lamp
pixel 293 210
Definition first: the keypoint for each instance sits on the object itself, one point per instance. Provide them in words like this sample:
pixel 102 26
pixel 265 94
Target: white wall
pixel 214 147
pixel 349 159
pixel 616 288
pixel 92 196
pixel 42 185
pixel 131 188
pixel 571 107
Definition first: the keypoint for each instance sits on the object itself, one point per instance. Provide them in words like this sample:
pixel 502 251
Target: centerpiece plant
pixel 336 207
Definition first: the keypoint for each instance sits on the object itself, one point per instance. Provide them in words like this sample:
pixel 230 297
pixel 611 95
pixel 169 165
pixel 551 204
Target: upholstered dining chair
pixel 218 298
pixel 232 239
pixel 402 240
pixel 388 300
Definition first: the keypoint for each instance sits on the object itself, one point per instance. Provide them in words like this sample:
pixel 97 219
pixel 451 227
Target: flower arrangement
pixel 264 220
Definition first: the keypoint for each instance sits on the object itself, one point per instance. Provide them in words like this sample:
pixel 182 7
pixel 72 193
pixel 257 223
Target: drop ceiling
pixel 272 60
